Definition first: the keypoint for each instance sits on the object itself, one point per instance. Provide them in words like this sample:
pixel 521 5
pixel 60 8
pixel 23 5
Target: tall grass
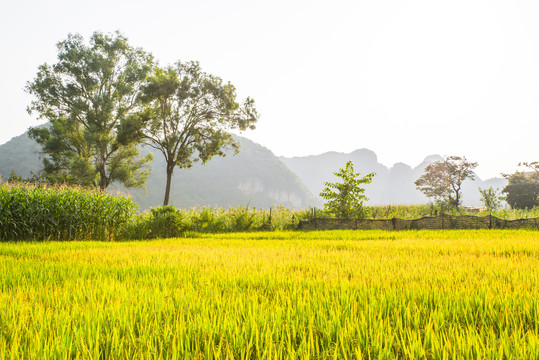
pixel 245 218
pixel 410 212
pixel 60 213
pixel 275 295
pixel 166 221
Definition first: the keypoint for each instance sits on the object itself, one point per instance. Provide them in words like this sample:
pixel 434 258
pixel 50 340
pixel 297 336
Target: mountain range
pixel 256 177
pixel 393 185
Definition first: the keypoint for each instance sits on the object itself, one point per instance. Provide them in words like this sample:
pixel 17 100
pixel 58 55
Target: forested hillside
pixel 255 177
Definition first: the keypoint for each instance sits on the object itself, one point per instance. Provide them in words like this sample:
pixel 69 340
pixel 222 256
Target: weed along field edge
pixel 267 295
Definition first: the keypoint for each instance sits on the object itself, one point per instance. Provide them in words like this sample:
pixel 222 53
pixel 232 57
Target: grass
pixel 335 294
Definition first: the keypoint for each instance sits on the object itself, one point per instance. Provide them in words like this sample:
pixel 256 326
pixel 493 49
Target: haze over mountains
pixel 257 177
pixel 254 177
pixel 393 185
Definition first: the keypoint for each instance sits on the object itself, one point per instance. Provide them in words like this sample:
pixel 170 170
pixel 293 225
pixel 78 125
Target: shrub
pixel 208 220
pixel 241 218
pixel 166 221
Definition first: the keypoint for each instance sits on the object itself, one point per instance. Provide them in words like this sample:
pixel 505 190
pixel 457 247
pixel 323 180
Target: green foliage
pixel 14 177
pixel 405 212
pixel 179 222
pixel 188 116
pixel 281 218
pixel 166 222
pixel 209 220
pixel 411 212
pixel 345 199
pixel 60 213
pixel 522 191
pixel 87 96
pixel 242 219
pixel 491 199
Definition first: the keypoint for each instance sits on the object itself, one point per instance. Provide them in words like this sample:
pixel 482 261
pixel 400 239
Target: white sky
pixel 405 79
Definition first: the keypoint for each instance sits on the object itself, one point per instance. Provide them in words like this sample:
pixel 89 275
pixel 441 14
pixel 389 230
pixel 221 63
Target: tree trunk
pixel 170 170
pixel 103 180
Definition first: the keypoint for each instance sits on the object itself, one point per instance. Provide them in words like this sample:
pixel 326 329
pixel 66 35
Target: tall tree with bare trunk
pixel 189 116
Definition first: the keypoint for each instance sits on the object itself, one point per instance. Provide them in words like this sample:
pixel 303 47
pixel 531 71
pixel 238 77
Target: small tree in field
pixel 491 199
pixel 345 199
pixel 443 180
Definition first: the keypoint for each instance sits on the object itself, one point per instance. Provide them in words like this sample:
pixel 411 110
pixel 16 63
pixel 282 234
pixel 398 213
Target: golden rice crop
pixel 335 294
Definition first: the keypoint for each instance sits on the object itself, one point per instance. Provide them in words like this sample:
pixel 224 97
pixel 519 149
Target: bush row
pixel 167 221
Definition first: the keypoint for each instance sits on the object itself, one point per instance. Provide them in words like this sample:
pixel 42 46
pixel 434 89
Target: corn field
pixel 60 213
pixel 456 294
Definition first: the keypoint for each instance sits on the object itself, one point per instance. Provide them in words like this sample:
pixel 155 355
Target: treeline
pixel 442 182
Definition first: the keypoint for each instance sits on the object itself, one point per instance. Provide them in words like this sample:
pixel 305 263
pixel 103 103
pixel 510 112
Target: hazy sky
pixel 403 78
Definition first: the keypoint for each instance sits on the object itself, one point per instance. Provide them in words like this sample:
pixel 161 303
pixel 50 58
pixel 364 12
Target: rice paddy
pixel 269 295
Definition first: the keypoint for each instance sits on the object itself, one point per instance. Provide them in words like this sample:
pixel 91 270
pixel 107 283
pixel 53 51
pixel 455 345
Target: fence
pixel 427 222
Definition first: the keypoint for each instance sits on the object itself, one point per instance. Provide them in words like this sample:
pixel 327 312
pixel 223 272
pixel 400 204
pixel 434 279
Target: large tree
pixel 442 180
pixel 87 96
pixel 523 187
pixel 345 199
pixel 189 115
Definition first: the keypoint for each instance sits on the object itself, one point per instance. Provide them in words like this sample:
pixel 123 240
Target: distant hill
pixel 255 176
pixel 393 185
pixel 20 154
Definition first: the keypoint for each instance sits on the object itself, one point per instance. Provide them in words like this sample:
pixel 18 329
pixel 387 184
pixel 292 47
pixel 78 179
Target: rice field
pixel 463 294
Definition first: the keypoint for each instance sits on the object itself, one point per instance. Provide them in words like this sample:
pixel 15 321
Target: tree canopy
pixel 522 191
pixel 188 116
pixel 87 96
pixel 345 199
pixel 491 199
pixel 434 182
pixel 442 180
